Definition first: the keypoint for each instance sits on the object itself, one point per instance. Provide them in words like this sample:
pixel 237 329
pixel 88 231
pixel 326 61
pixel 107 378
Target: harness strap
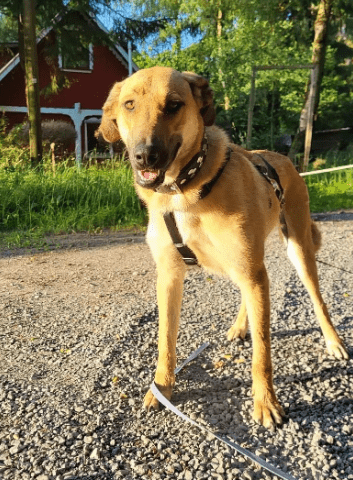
pixel 270 174
pixel 188 255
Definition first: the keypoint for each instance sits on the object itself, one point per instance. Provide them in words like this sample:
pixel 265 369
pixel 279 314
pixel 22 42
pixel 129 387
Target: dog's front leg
pixel 171 271
pixel 255 289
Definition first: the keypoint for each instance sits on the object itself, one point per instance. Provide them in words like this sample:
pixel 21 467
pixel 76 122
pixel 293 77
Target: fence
pixel 325 170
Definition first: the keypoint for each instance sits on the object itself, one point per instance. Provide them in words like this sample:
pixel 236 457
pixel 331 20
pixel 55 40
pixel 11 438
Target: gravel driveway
pixel 78 347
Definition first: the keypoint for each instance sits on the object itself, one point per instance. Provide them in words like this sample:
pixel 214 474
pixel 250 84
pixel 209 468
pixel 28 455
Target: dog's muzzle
pixel 150 163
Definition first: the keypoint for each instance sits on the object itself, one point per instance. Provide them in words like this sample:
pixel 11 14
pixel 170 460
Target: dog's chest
pixel 190 227
pixel 205 243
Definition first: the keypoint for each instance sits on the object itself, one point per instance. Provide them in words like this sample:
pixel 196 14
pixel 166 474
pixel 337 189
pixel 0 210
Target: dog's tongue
pixel 149 175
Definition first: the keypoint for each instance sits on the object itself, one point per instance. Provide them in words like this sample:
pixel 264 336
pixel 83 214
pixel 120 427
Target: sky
pixel 127 11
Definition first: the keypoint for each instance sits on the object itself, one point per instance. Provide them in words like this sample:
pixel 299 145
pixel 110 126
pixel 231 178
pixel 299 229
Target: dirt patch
pixel 111 262
pixel 79 241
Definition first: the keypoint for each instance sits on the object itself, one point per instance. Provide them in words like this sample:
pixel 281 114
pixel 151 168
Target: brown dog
pixel 223 208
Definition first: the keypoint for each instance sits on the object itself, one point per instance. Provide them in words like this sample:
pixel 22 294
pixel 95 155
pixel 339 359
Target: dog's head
pixel 160 115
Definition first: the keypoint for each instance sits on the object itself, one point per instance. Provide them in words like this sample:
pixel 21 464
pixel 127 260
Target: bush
pixel 61 133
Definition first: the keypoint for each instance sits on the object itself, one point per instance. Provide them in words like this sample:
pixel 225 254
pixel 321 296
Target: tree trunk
pixel 221 76
pixel 21 41
pixel 318 58
pixel 32 82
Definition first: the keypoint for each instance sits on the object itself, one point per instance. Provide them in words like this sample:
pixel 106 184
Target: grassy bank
pixel 331 191
pixel 34 203
pixel 334 190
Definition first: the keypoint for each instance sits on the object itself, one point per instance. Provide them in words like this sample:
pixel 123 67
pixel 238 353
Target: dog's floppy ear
pixel 108 127
pixel 204 96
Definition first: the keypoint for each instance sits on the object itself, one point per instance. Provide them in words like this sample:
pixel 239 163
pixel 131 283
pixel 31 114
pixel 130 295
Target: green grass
pixel 334 190
pixel 331 191
pixel 34 203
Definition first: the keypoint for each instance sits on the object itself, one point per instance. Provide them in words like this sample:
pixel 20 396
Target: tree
pixel 233 36
pixel 321 27
pixel 32 83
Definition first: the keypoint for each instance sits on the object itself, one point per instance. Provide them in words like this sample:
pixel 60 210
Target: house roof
pixel 117 49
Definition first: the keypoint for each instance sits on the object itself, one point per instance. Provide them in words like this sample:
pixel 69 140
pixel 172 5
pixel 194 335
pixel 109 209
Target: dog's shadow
pixel 200 392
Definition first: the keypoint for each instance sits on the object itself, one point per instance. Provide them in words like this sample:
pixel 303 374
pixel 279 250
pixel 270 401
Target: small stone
pixel 14 450
pixel 95 454
pixel 248 475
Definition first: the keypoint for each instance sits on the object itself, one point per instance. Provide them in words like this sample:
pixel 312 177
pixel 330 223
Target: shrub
pixel 61 133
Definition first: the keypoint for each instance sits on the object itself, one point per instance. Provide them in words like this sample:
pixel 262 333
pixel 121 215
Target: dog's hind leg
pixel 170 271
pixel 303 241
pixel 240 326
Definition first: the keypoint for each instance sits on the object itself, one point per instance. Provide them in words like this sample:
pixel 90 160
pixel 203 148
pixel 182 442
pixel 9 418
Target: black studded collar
pixel 188 172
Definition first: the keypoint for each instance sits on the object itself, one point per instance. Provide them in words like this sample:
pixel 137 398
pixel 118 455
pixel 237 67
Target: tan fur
pixel 226 230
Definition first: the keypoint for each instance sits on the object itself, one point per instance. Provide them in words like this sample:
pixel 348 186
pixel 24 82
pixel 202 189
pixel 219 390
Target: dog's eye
pixel 173 106
pixel 129 105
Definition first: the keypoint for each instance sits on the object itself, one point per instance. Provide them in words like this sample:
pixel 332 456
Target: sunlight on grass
pixel 331 191
pixel 36 203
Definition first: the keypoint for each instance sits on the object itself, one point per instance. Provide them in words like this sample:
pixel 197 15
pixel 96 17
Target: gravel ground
pixel 78 348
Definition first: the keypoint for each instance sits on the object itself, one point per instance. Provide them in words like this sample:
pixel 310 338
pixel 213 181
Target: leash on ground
pixel 334 266
pixel 161 398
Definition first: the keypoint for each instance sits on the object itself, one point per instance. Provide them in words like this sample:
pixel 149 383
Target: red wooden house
pixel 74 78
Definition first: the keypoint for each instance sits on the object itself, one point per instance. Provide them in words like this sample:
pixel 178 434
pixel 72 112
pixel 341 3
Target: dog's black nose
pixel 146 155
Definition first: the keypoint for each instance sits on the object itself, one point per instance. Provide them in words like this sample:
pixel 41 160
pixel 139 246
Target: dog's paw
pixel 237 332
pixel 151 403
pixel 337 350
pixel 268 413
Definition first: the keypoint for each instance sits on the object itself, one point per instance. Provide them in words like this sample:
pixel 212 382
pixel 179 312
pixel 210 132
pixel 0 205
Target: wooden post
pixel 32 82
pixel 52 148
pixel 251 108
pixel 310 117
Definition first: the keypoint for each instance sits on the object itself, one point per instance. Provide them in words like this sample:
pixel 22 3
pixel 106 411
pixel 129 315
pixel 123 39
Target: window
pixel 74 54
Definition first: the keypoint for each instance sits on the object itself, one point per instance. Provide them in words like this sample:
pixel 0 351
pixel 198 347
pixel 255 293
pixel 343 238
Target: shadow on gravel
pixel 76 241
pixel 333 216
pixel 295 333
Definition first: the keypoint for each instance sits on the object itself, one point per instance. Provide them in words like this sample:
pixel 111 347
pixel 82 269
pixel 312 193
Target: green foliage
pixel 8 29
pixel 334 190
pixel 35 202
pixel 255 33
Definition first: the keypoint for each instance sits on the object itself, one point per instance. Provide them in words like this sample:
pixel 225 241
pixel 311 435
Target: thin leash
pixel 334 266
pixel 232 444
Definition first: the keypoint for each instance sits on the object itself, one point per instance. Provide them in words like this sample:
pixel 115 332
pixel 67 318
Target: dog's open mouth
pixel 148 175
pixel 150 178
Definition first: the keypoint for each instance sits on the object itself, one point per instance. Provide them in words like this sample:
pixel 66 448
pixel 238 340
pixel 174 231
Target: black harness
pixel 270 174
pixel 188 255
pixel 266 170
